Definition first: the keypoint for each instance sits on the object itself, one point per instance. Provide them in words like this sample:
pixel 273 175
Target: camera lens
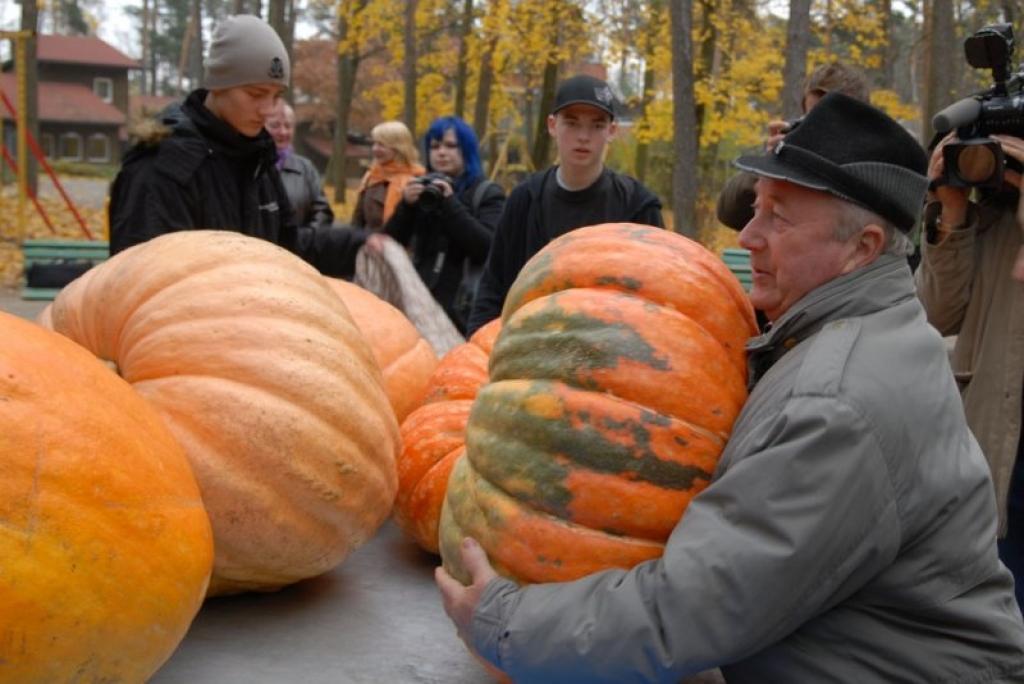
pixel 976 164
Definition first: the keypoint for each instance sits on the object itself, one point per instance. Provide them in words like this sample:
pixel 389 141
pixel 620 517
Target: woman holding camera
pixel 448 217
pixel 395 163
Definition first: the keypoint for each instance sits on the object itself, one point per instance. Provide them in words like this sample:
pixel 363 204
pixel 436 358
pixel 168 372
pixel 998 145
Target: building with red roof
pixel 83 98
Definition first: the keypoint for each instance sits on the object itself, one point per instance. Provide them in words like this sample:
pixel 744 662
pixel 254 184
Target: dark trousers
pixel 1011 547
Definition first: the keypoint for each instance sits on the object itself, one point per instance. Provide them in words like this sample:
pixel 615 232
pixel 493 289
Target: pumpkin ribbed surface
pixel 434 434
pixel 613 387
pixel 105 548
pixel 261 374
pixel 406 359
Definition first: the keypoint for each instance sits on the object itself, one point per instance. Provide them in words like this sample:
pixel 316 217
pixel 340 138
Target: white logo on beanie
pixel 604 94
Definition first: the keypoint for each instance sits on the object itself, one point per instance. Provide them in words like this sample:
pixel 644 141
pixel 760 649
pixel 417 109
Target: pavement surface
pixel 12 303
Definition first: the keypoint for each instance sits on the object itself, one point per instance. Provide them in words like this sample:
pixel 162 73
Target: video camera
pixel 975 159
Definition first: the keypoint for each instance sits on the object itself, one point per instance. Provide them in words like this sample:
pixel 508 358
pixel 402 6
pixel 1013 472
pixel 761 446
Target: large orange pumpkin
pixel 105 549
pixel 613 387
pixel 405 358
pixel 258 370
pixel 433 436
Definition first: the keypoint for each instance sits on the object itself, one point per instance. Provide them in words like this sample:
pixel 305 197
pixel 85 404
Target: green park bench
pixel 738 261
pixel 52 264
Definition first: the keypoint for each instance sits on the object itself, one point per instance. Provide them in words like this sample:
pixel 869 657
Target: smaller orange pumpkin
pixel 406 360
pixel 434 436
pixel 105 546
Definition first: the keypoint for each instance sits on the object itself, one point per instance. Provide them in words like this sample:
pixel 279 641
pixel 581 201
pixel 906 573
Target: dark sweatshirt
pixel 538 211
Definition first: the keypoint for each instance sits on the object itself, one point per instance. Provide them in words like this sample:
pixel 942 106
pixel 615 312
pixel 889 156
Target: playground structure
pixel 50 263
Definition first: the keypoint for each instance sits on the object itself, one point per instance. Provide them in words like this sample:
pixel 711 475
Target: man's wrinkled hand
pixel 460 601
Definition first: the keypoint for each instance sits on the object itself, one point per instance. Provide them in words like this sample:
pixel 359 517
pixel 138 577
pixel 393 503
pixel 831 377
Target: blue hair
pixel 468 145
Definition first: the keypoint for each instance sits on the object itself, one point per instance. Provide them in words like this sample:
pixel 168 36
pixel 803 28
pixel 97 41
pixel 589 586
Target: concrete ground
pixel 12 303
pixel 377 618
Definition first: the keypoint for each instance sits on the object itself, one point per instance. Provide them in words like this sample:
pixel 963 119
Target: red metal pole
pixel 35 200
pixel 41 158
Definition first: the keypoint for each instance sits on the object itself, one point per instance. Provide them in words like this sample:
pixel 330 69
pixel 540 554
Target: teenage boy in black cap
pixel 579 191
pixel 849 532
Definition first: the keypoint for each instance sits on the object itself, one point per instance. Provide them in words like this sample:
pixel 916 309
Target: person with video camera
pixel 971 277
pixel 971 282
pixel 448 216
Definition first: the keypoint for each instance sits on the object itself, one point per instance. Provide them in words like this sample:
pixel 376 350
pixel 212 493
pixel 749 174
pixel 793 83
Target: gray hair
pixel 851 218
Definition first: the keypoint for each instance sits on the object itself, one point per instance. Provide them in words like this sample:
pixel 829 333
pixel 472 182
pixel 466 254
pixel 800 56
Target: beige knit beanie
pixel 246 50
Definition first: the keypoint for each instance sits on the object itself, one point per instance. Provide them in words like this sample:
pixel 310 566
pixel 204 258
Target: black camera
pixel 975 159
pixel 430 198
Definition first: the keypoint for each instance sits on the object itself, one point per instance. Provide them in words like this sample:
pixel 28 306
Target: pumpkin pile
pixel 105 548
pixel 613 387
pixel 259 372
pixel 433 436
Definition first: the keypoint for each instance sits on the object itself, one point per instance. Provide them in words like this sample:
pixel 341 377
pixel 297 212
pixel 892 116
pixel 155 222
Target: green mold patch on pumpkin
pixel 556 344
pixel 517 451
pixel 620 283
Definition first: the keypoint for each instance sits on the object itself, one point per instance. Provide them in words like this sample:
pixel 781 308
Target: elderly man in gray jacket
pixel 849 532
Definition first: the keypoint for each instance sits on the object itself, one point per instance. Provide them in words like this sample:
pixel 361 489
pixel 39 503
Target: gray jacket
pixel 302 183
pixel 965 285
pixel 848 534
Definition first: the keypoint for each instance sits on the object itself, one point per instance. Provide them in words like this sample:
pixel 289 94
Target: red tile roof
pixel 83 50
pixel 67 102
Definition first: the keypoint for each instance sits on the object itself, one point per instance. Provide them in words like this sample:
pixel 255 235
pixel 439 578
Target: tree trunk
pixel 798 33
pixel 154 20
pixel 347 67
pixel 144 72
pixel 195 60
pixel 275 17
pixel 409 66
pixel 483 88
pixel 541 140
pixel 684 119
pixel 890 50
pixel 289 36
pixel 465 31
pixel 702 69
pixel 939 64
pixel 29 22
pixel 645 101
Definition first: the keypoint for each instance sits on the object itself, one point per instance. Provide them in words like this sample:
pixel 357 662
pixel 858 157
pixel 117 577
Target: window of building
pixel 97 148
pixel 46 139
pixel 71 146
pixel 104 88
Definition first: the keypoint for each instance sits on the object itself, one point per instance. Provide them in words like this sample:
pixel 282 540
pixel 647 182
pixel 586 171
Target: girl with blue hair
pixel 447 217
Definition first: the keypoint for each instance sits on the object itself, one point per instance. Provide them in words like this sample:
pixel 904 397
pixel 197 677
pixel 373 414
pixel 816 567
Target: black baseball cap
pixel 587 90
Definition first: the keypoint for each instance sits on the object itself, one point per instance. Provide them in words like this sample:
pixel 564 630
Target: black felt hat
pixel 854 151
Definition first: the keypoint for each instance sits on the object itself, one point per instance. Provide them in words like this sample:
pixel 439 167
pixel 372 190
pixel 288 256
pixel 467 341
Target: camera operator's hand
pixel 445 186
pixel 954 200
pixel 1014 147
pixel 411 192
pixel 776 132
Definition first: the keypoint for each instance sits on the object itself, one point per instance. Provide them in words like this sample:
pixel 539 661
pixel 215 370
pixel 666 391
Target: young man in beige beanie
pixel 211 164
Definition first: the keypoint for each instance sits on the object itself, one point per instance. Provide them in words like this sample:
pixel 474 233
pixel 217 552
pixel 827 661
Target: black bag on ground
pixel 55 274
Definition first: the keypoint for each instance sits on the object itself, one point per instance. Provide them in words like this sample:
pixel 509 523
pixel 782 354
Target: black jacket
pixel 197 172
pixel 524 229
pixel 443 239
